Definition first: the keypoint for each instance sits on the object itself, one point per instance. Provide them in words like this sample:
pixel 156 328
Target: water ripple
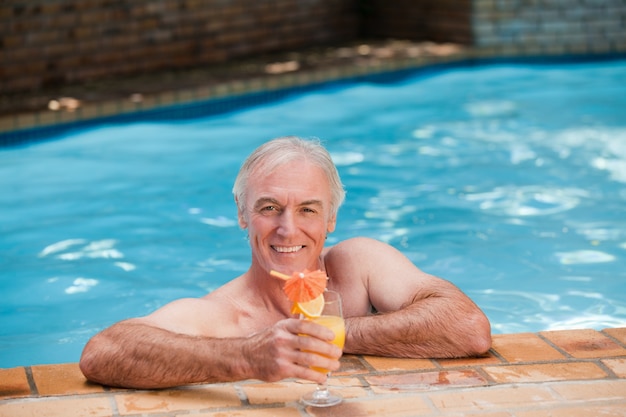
pixel 584 257
pixel 527 200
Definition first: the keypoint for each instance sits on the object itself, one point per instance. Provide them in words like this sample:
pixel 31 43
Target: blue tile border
pixel 215 106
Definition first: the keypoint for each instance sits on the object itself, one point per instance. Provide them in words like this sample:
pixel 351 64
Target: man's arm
pixel 418 315
pixel 136 354
pixel 440 325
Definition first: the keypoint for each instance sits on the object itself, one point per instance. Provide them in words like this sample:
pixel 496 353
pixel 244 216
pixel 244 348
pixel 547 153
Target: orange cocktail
pixel 312 301
pixel 336 324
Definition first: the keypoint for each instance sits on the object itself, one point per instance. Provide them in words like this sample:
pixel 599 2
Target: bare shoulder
pixel 192 316
pixel 367 254
pixel 388 278
pixel 364 270
pixel 353 248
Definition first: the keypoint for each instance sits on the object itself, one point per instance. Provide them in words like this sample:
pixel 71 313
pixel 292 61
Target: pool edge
pixel 30 127
pixel 571 372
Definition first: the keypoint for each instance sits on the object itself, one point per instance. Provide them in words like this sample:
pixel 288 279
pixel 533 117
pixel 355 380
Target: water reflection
pixel 532 200
pixel 69 250
pixel 96 249
pixel 491 108
pixel 81 285
pixel 584 257
pixel 606 145
pixel 518 310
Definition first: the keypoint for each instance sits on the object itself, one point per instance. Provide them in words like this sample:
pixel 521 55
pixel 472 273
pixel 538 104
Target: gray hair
pixel 285 149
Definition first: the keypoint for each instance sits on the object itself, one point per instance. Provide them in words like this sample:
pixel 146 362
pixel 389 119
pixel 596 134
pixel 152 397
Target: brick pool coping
pixel 267 74
pixel 565 373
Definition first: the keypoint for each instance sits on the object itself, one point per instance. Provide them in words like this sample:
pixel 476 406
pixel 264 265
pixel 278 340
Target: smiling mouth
pixel 287 249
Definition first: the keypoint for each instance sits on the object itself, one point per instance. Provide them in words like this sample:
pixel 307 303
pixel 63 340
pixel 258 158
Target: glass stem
pixel 321 391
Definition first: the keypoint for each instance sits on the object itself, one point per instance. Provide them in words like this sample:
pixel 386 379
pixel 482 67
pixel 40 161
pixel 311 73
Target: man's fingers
pixel 313 360
pixel 310 328
pixel 311 375
pixel 296 347
pixel 313 345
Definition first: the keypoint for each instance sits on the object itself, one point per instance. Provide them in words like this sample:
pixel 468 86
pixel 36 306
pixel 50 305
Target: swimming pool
pixel 507 179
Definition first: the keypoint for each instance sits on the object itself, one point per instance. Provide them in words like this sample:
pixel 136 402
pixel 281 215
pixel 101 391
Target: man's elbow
pixel 87 365
pixel 90 364
pixel 480 338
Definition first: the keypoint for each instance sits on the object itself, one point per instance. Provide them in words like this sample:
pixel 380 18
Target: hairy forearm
pixel 140 356
pixel 428 328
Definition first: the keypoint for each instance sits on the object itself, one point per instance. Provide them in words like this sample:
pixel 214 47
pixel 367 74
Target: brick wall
pixel 45 42
pixel 55 42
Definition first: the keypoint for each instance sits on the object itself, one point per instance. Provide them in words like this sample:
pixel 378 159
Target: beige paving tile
pixel 545 372
pixel 618 366
pixel 563 387
pixel 47 117
pixel 26 120
pixel 185 96
pixel 277 392
pixel 388 407
pixel 148 102
pixel 108 108
pixel 584 343
pixel 469 413
pixel 477 361
pixel 168 97
pixel 290 391
pixel 13 383
pixel 524 347
pixel 62 379
pixel 618 333
pixel 592 390
pixel 66 116
pixel 492 399
pixel 252 412
pixel 351 365
pixel 88 111
pixel 424 381
pixel 609 410
pixel 189 398
pixel 7 123
pixel 397 364
pixel 55 407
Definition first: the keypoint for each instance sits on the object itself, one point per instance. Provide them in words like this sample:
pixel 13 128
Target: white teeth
pixel 287 249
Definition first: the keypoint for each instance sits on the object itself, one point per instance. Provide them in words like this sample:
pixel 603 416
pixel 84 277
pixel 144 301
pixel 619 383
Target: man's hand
pixel 289 349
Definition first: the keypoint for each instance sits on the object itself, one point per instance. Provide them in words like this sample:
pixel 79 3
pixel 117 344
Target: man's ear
pixel 241 217
pixel 332 223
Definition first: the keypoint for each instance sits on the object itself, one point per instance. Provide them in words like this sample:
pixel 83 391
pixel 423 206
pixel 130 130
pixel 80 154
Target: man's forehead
pixel 295 177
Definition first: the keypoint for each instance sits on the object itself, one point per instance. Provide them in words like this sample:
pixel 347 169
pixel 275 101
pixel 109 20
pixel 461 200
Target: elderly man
pixel 288 193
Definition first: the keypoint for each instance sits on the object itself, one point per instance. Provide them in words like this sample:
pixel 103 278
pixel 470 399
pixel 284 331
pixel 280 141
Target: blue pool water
pixel 509 180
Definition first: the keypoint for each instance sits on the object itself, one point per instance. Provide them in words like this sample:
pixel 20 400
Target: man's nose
pixel 286 224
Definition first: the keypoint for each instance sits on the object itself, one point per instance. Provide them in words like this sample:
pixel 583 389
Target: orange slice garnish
pixel 309 309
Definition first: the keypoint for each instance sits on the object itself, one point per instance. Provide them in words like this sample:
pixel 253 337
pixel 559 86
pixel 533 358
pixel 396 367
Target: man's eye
pixel 268 208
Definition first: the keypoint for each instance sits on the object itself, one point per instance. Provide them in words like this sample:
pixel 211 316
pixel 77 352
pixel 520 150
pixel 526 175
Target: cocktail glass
pixel 332 318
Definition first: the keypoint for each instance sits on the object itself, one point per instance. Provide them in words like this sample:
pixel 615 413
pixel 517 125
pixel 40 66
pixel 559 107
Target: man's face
pixel 288 216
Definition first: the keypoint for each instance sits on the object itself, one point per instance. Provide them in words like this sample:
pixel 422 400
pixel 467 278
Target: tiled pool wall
pixel 52 44
pixel 550 26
